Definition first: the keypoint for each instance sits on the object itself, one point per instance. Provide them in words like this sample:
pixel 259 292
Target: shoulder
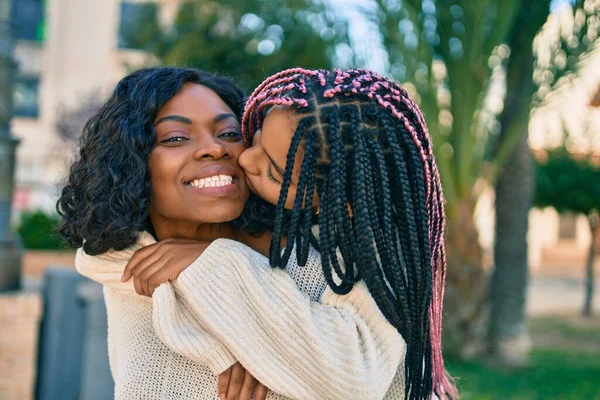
pixel 108 267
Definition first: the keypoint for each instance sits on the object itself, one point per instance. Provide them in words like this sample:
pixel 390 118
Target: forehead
pixel 194 100
pixel 276 135
pixel 280 123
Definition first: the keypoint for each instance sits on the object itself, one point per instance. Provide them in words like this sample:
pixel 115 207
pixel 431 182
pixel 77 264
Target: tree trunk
pixel 507 335
pixel 509 342
pixel 589 272
pixel 466 306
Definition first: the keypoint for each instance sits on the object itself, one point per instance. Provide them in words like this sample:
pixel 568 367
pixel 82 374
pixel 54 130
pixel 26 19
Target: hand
pixel 236 383
pixel 153 265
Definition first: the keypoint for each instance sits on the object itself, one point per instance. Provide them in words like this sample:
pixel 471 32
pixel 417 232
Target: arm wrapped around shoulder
pixel 339 348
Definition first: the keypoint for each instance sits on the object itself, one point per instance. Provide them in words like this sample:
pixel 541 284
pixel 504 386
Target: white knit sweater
pixel 287 328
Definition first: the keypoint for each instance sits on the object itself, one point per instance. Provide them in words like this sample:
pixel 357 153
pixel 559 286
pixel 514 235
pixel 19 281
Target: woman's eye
pixel 271 177
pixel 231 135
pixel 174 139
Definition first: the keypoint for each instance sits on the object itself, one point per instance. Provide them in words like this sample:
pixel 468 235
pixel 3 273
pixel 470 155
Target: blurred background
pixel 511 94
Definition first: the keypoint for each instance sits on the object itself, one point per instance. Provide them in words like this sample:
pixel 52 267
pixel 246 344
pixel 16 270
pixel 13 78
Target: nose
pixel 247 160
pixel 210 147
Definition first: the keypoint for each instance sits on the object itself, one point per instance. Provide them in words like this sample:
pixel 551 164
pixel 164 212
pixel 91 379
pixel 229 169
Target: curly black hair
pixel 104 204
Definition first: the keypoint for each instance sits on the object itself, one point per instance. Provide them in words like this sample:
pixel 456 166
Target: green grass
pixel 556 370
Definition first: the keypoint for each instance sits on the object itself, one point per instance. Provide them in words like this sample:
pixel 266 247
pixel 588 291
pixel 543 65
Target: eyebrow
pixel 224 116
pixel 277 167
pixel 177 118
pixel 187 121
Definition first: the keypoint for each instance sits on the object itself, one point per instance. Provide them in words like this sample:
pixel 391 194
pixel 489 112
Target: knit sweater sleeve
pixel 339 348
pixel 107 270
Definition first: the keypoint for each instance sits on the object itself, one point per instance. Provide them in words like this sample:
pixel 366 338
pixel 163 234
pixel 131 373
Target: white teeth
pixel 212 181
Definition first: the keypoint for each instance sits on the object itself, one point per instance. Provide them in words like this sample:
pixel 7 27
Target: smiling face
pixel 265 161
pixel 194 173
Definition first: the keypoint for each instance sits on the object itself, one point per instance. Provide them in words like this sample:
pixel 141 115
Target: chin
pixel 222 215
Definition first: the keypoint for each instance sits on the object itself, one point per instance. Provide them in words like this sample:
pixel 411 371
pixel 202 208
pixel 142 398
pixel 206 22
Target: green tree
pixel 245 39
pixel 570 184
pixel 448 52
pixel 37 230
pixel 508 339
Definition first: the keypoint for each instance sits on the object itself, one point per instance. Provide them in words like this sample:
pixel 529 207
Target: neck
pixel 166 229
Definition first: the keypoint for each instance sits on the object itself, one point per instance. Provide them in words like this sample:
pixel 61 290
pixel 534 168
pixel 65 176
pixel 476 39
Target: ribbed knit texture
pixel 286 327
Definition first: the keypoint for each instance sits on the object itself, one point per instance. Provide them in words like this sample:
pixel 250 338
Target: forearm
pixel 341 347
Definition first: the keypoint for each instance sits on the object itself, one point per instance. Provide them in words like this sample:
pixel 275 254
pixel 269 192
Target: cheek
pixel 237 149
pixel 163 169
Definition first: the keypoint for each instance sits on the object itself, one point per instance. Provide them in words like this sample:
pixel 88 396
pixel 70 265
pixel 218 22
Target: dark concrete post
pixel 10 250
pixel 62 334
pixel 96 379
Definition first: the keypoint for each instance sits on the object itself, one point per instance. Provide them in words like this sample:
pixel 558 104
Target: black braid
pixel 393 263
pixel 364 231
pixel 304 197
pixel 403 194
pixel 274 250
pixel 339 212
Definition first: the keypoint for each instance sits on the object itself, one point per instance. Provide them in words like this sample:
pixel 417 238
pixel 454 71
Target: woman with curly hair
pixel 136 181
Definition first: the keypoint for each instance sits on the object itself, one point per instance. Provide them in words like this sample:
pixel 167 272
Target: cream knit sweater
pixel 287 328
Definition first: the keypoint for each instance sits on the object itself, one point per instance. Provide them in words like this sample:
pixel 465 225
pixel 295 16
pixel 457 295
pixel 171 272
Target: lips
pixel 212 171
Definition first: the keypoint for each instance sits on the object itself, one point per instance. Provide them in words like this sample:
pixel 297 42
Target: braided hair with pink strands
pixel 367 153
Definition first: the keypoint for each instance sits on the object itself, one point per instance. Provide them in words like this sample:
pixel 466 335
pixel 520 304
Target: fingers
pixel 161 262
pixel 235 381
pixel 151 262
pixel 223 383
pixel 146 276
pixel 138 257
pixel 260 392
pixel 247 387
pixel 167 272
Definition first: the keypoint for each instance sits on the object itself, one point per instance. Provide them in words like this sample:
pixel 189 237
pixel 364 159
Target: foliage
pixel 245 39
pixel 569 47
pixel 456 58
pixel 447 51
pixel 564 365
pixel 71 120
pixel 37 230
pixel 567 183
pixel 561 50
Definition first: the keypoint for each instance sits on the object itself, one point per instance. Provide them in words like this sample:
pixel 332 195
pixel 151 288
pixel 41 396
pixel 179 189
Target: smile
pixel 211 181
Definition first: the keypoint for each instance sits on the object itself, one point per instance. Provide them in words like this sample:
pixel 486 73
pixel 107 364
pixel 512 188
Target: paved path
pixel 558 295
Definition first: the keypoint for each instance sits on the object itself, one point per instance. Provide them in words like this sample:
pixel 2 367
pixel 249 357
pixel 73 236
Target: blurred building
pixel 67 51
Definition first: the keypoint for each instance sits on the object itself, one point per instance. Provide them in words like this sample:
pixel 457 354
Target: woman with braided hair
pixel 360 157
pixel 352 309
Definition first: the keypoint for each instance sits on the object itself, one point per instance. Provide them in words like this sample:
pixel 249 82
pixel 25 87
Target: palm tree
pixel 446 53
pixel 507 336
